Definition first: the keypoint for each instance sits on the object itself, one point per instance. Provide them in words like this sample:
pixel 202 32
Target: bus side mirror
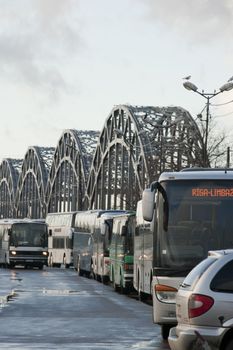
pixel 148 204
pixel 9 231
pixel 124 230
pixel 50 232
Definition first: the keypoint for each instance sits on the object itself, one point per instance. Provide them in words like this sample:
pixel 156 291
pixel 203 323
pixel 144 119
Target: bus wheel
pixel 67 266
pixel 140 294
pixel 104 279
pixel 123 290
pixel 80 271
pixel 98 278
pixel 165 328
pixel 11 265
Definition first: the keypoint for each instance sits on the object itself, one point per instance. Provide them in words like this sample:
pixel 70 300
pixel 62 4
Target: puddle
pixel 4 300
pixel 60 292
pixel 52 292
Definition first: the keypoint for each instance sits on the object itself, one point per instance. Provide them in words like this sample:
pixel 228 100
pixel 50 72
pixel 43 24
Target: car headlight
pixel 13 252
pixel 45 253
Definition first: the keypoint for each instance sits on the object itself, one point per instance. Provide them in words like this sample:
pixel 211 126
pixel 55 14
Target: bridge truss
pixel 101 170
pixel 135 146
pixel 69 171
pixel 30 194
pixel 9 174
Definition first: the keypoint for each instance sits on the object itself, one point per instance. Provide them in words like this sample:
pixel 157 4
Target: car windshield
pixel 200 219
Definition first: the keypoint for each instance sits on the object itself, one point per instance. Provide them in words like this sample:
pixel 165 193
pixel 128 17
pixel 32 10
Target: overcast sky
pixel 66 63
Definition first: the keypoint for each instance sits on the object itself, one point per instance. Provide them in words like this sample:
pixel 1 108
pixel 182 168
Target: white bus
pixel 191 214
pixel 23 242
pixel 83 241
pixel 143 251
pixel 60 238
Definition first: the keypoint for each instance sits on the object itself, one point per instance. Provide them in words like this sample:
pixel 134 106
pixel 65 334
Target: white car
pixel 204 306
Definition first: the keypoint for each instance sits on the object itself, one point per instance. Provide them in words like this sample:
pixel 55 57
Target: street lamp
pixel 191 87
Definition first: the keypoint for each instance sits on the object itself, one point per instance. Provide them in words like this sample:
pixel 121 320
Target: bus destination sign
pixel 212 192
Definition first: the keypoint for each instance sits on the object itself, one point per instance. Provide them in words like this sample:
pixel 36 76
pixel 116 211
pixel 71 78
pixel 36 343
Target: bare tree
pixel 218 142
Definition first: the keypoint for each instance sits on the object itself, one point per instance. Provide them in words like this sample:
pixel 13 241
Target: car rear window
pixel 223 280
pixel 195 274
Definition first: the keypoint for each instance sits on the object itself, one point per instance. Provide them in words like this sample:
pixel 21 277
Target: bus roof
pixel 62 213
pixel 198 174
pixel 25 220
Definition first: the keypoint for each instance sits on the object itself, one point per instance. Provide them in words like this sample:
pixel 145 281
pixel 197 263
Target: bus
pixel 83 242
pixel 121 252
pixel 143 252
pixel 60 238
pixel 101 241
pixel 23 242
pixel 190 212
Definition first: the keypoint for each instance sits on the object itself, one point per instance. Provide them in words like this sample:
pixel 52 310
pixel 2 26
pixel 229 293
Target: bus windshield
pixel 200 219
pixel 28 235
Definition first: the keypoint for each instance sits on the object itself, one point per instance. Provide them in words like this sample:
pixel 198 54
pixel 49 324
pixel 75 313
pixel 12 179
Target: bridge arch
pixel 9 174
pixel 134 147
pixel 30 195
pixel 69 171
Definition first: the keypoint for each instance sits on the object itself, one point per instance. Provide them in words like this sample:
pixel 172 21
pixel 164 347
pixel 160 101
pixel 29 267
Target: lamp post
pixel 208 96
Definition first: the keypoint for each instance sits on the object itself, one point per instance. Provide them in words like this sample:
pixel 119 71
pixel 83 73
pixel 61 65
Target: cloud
pixel 197 20
pixel 37 39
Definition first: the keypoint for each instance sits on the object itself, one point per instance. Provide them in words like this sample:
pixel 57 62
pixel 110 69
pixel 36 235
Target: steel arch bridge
pixel 101 170
pixel 9 174
pixel 30 194
pixel 135 146
pixel 68 175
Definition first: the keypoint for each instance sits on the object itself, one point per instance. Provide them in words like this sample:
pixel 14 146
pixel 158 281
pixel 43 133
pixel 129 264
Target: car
pixel 204 305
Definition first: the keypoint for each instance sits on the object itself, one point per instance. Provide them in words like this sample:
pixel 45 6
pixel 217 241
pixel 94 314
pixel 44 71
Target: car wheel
pixel 165 328
pixel 229 345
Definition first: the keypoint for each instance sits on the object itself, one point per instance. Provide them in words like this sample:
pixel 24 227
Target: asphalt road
pixel 56 309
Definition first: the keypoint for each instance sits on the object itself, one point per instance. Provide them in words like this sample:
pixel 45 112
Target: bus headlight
pixel 45 253
pixel 13 252
pixel 165 294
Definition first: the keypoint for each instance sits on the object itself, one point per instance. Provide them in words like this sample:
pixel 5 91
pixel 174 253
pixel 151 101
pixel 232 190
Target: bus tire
pixel 229 345
pixel 80 271
pixel 11 265
pixel 165 329
pixel 123 290
pixel 104 279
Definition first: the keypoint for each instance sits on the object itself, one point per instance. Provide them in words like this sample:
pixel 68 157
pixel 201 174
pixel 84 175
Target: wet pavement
pixel 56 309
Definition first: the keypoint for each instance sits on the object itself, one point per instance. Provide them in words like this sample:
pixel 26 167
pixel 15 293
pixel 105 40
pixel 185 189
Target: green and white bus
pixel 102 236
pixel 121 251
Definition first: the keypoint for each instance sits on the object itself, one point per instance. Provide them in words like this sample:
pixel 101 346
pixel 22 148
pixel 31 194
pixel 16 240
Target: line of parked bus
pixel 102 244
pixel 180 217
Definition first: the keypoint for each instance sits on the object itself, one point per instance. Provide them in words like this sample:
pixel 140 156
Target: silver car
pixel 204 306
